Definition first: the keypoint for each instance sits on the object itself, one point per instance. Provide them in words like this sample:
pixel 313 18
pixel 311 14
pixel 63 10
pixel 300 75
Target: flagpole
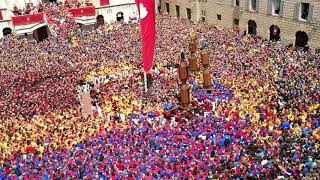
pixel 145 82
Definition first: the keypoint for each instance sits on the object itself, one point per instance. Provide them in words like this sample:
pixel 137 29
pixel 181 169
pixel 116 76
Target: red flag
pixel 146 10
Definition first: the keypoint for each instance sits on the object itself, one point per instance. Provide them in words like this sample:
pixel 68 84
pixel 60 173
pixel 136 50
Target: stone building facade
pixel 294 22
pixel 107 11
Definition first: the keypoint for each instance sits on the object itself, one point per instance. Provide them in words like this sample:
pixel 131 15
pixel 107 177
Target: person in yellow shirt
pixel 291 116
pixel 41 149
pixel 304 117
pixel 255 118
pixel 277 122
pixel 316 134
pixel 297 130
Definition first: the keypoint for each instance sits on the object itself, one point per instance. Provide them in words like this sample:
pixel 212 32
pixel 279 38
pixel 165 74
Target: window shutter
pixel 233 2
pixel 282 3
pixel 297 11
pixel 270 7
pixel 257 5
pixel 1 18
pixel 248 5
pixel 310 14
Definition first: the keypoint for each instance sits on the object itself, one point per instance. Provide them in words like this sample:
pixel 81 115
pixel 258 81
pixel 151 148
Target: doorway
pixel 41 33
pixel 252 27
pixel 178 11
pixel 188 13
pixel 301 39
pixel 6 31
pixel 100 20
pixel 274 33
pixel 120 16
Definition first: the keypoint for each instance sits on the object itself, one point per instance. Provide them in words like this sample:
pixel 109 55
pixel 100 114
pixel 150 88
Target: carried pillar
pixel 185 95
pixel 193 63
pixel 183 73
pixel 184 88
pixel 193 49
pixel 206 71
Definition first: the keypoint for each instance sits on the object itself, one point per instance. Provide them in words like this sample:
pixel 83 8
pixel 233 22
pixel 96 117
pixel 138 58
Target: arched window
pixel 252 27
pixel 6 31
pixel 100 20
pixel 120 16
pixel 301 39
pixel 274 33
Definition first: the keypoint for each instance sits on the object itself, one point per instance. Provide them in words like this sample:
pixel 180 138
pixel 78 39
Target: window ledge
pixel 303 20
pixel 276 15
pixel 252 11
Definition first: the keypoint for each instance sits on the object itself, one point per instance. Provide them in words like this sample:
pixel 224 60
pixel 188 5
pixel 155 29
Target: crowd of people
pixel 30 8
pixel 260 118
pixel 57 14
pixel 60 20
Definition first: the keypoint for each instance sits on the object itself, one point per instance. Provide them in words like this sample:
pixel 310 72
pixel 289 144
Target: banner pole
pixel 145 82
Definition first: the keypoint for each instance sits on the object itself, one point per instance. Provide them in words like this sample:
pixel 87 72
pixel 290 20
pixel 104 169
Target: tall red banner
pixel 1 18
pixel 146 10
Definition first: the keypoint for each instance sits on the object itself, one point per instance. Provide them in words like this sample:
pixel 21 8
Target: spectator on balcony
pixel 27 9
pixel 88 3
pixel 66 4
pixel 40 7
pixel 16 11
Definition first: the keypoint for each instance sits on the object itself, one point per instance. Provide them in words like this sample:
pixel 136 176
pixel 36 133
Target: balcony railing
pixel 27 19
pixel 83 11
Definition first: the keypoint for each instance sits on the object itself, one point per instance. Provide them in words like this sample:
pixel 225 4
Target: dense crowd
pixel 60 20
pixel 57 15
pixel 31 8
pixel 260 118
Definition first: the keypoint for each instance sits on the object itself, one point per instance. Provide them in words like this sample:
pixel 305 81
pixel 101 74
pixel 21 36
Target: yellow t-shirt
pixel 297 131
pixel 41 149
pixel 291 116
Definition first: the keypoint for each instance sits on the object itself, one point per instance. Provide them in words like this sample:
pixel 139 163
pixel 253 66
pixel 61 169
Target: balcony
pixel 27 19
pixel 83 11
pixel 84 15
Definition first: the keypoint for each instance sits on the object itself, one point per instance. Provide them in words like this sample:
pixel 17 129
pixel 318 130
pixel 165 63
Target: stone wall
pixel 287 23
